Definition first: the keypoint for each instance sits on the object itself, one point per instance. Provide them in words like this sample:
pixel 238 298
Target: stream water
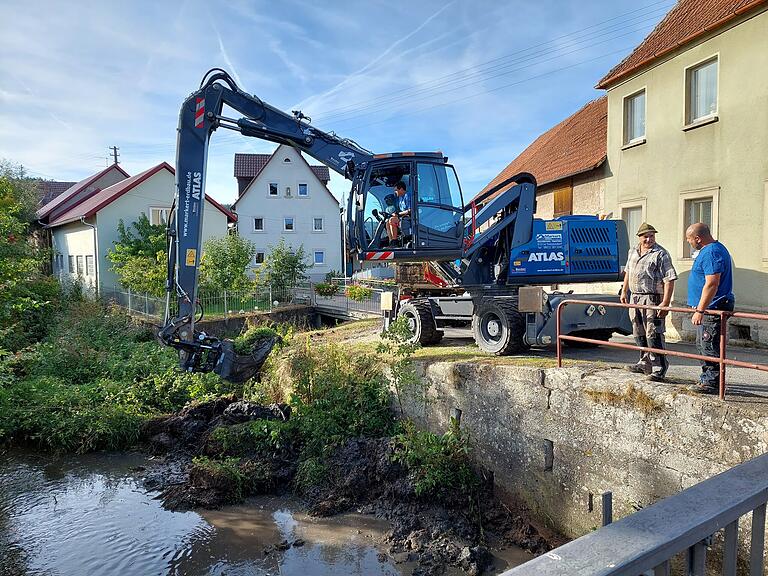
pixel 89 514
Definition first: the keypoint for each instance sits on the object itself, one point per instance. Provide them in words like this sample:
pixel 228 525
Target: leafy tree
pixel 283 267
pixel 27 297
pixel 224 263
pixel 139 257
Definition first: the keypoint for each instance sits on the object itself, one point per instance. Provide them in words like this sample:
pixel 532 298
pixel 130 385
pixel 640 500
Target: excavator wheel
pixel 498 327
pixel 421 322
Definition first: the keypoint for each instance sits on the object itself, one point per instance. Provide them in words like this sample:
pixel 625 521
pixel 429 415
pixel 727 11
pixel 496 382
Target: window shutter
pixel 564 199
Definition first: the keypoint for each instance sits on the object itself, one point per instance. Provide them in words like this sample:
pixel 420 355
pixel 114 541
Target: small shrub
pixel 439 465
pixel 333 274
pixel 326 290
pixel 358 293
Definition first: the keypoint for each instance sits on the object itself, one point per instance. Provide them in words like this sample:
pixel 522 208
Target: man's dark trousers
pixel 708 344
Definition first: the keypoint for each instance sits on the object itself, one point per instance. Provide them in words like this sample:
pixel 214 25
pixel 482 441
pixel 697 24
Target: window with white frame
pixel 317 224
pixel 258 224
pixel 80 267
pixel 288 224
pixel 319 257
pixel 71 262
pixel 701 91
pixel 698 206
pixel 90 266
pixel 158 215
pixel 634 118
pixel 274 188
pixel 303 189
pixel 633 217
pixel 258 258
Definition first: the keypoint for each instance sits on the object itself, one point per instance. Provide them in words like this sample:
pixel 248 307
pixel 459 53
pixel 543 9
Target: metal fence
pixel 267 299
pixel 723 314
pixel 341 304
pixel 645 542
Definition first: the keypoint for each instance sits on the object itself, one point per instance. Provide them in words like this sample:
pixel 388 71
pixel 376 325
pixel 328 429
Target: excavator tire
pixel 421 322
pixel 498 327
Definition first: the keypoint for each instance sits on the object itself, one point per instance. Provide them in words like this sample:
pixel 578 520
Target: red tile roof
pixel 101 198
pixel 576 145
pixel 687 21
pixel 251 165
pixel 81 188
pixel 49 189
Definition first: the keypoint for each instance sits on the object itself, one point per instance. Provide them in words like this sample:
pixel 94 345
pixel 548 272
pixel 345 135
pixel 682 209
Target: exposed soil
pixel 451 530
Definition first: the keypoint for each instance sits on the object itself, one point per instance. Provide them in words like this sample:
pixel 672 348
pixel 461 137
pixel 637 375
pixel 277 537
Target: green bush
pixel 92 382
pixel 335 395
pixel 327 290
pixel 358 293
pixel 440 465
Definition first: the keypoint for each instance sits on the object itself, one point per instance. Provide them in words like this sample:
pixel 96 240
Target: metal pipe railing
pixel 646 541
pixel 724 315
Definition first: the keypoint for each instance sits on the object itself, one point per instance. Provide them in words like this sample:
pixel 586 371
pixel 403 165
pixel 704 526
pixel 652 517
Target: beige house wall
pixel 77 240
pixel 588 192
pixel 155 192
pixel 727 158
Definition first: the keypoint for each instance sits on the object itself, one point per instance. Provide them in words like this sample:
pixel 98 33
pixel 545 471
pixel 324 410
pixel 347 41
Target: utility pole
pixel 114 150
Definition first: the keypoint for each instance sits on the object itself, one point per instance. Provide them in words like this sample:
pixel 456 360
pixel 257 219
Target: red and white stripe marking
pixel 379 255
pixel 200 113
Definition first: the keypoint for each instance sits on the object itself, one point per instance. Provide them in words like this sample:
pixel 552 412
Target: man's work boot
pixel 659 362
pixel 642 366
pixel 638 368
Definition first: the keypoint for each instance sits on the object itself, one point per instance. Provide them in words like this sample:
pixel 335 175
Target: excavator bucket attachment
pixel 238 368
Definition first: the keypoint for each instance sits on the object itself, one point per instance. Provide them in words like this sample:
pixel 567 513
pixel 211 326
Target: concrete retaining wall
pixel 558 438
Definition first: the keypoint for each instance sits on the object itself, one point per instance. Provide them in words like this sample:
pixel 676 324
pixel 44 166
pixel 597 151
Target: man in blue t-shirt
pixel 710 287
pixel 395 224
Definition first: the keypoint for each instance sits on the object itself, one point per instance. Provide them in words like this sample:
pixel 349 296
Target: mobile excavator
pixel 490 255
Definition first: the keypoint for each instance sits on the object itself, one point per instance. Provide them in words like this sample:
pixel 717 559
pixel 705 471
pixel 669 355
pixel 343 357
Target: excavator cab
pixel 433 227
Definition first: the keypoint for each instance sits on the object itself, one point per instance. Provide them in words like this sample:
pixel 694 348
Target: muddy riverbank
pixel 91 514
pixel 455 528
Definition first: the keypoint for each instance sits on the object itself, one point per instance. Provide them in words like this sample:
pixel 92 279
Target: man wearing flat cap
pixel 649 279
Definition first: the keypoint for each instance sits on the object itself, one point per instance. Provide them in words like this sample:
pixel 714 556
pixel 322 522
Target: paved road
pixel 743 384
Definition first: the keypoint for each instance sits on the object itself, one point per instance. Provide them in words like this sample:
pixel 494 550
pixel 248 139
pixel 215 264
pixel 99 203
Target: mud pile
pixel 455 529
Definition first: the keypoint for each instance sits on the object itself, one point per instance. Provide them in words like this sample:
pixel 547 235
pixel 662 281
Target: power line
pixel 479 68
pixel 469 81
pixel 529 78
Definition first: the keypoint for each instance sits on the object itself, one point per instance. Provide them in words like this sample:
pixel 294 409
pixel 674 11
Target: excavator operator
pixel 402 210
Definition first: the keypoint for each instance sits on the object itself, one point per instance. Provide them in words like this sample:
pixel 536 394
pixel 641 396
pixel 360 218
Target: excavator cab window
pixel 440 209
pixel 381 202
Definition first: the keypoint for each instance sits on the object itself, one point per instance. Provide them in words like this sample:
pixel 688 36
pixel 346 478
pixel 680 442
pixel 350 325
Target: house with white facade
pixel 84 222
pixel 282 196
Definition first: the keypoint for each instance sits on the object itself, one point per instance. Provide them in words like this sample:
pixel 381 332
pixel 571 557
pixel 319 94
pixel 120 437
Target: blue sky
pixel 479 80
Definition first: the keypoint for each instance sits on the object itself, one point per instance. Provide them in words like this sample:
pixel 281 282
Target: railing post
pixel 146 303
pixel 270 297
pixel 607 508
pixel 557 336
pixel 730 548
pixel 697 559
pixel 129 300
pixel 757 542
pixel 226 306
